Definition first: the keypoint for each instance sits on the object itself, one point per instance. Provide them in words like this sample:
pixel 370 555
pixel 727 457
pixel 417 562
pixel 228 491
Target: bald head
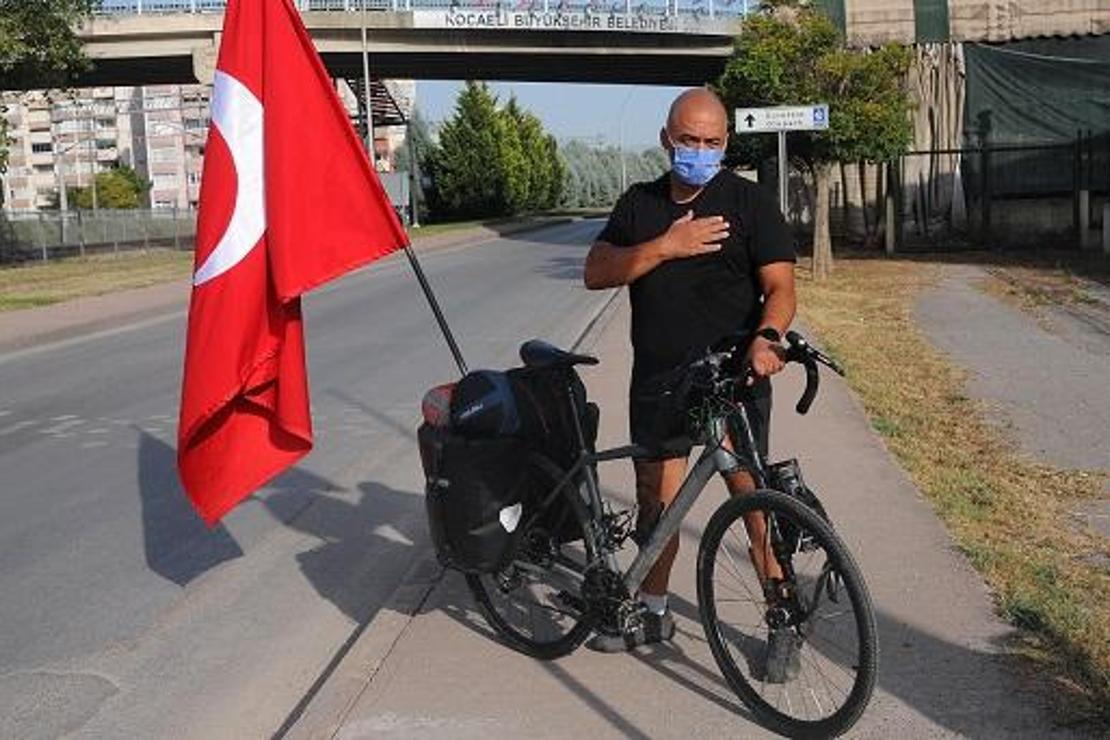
pixel 698 103
pixel 697 119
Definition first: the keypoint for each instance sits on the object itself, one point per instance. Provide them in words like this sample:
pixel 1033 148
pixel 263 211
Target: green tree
pixel 38 47
pixel 592 174
pixel 554 191
pixel 492 162
pixel 120 187
pixel 513 163
pixel 541 153
pixel 464 165
pixel 789 55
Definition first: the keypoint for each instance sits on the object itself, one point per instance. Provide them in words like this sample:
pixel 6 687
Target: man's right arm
pixel 608 266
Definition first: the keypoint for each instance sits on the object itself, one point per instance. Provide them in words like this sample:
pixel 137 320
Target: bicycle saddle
pixel 538 353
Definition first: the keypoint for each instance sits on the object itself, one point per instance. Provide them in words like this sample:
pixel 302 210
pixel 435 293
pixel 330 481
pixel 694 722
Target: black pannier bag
pixel 475 497
pixel 547 422
pixel 479 492
pixel 544 411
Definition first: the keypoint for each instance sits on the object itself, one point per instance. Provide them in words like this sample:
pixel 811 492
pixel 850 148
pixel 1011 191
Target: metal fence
pixel 27 236
pixel 1001 195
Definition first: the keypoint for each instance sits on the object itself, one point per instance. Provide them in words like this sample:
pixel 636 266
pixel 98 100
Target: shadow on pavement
pixel 564 268
pixel 339 568
pixel 952 686
pixel 460 607
pixel 177 544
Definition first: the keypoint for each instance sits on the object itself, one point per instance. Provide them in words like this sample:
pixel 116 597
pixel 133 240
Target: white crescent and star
pixel 237 113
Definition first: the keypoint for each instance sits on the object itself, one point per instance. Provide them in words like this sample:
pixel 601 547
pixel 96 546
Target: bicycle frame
pixel 714 458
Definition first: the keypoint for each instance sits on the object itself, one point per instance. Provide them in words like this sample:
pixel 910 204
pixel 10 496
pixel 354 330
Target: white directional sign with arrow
pixel 785 118
pixel 779 120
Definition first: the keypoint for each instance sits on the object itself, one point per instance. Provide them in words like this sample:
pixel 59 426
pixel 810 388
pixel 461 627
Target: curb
pixel 325 708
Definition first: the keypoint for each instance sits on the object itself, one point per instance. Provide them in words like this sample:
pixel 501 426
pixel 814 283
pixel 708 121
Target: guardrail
pixel 696 8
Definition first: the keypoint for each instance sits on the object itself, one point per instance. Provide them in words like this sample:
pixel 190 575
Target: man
pixel 706 254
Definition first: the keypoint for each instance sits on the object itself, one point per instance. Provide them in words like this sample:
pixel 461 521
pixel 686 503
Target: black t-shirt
pixel 684 305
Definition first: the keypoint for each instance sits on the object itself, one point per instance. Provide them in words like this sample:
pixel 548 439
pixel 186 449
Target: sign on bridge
pixel 567 20
pixel 782 118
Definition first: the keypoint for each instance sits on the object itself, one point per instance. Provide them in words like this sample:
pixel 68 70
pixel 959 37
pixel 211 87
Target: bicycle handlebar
pixel 800 350
pixel 722 359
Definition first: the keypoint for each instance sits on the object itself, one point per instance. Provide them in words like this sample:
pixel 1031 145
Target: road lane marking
pixel 12 429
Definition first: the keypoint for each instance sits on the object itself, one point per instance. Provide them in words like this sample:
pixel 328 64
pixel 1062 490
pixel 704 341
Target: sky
pixel 571 110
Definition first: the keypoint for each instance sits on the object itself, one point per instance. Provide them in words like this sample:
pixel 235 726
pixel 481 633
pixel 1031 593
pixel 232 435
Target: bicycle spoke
pixel 737 569
pixel 828 682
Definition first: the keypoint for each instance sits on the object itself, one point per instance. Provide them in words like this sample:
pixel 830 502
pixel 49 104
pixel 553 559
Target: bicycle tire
pixel 785 508
pixel 578 553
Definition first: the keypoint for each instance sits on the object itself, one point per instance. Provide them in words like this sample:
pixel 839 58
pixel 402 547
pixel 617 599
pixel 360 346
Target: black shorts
pixel 660 426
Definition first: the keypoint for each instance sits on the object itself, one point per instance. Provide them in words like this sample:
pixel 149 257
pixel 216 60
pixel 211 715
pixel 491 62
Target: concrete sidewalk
pixel 59 321
pixel 429 667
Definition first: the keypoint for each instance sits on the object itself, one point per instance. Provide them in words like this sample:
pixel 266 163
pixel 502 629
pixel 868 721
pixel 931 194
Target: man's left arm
pixel 779 304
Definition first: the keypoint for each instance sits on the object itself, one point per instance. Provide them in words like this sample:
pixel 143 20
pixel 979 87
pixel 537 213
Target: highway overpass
pixel 673 44
pixel 676 42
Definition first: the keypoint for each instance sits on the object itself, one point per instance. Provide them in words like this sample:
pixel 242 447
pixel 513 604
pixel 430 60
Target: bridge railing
pixel 696 8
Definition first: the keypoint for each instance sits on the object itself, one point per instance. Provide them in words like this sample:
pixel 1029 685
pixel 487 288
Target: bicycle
pixel 564 581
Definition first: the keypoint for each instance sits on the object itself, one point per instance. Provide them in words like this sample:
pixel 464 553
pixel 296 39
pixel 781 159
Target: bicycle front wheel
pixel 534 603
pixel 816 623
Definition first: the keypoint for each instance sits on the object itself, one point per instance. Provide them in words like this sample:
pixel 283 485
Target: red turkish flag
pixel 288 201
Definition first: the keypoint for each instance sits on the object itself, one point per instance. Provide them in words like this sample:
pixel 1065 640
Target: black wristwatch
pixel 770 333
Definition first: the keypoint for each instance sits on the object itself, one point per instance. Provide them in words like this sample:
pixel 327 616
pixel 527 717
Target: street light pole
pixel 414 218
pixel 366 93
pixel 620 136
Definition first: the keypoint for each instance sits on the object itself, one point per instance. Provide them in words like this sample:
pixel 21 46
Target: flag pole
pixel 434 304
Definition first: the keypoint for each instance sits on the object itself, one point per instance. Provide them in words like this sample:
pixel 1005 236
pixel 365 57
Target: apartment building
pixel 58 137
pixel 68 136
pixel 55 139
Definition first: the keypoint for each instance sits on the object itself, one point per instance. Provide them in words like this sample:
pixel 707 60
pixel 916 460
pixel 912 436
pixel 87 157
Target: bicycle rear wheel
pixel 534 603
pixel 822 605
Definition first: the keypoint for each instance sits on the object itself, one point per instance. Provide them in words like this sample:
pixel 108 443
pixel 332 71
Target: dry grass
pixel 40 285
pixel 1034 289
pixel 1009 516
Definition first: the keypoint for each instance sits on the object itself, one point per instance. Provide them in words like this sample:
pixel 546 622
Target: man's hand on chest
pixel 691 237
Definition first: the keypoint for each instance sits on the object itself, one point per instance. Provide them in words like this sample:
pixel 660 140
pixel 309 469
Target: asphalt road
pixel 121 615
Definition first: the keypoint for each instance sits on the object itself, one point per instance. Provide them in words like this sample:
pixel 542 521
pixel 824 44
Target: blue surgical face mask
pixel 695 166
